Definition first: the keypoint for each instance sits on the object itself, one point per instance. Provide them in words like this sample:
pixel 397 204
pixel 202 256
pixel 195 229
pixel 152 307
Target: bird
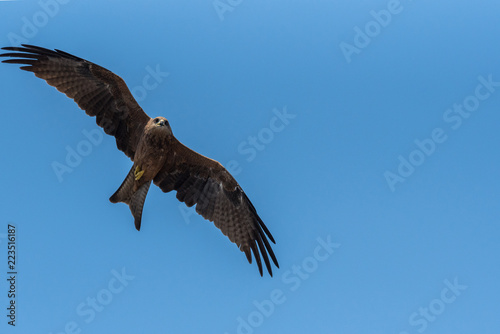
pixel 156 154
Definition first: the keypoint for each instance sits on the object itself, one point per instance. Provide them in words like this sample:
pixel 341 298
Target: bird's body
pixel 158 156
pixel 155 147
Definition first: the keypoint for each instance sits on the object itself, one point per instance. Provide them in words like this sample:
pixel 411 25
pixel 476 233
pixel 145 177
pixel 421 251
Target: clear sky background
pixel 381 186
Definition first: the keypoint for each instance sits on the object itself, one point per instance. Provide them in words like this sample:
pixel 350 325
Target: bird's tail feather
pixel 137 203
pixel 126 190
pixel 135 199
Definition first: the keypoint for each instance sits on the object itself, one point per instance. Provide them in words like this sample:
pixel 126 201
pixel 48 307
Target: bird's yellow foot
pixel 138 173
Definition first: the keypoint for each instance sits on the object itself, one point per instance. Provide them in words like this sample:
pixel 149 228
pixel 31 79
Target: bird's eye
pixel 156 120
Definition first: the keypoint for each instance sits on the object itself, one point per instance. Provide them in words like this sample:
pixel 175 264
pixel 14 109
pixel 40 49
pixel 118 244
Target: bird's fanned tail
pixel 126 190
pixel 133 198
pixel 137 203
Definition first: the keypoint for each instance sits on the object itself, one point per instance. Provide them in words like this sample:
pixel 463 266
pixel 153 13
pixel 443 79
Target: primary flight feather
pixel 157 155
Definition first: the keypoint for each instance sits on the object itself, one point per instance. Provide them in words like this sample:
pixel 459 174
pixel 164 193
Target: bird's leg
pixel 138 173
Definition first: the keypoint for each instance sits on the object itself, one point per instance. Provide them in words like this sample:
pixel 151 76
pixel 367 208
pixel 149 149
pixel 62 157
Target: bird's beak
pixel 161 123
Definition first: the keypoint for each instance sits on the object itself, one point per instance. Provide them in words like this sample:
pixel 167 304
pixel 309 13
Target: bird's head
pixel 161 124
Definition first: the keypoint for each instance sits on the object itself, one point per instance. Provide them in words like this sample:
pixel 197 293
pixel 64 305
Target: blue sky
pixel 380 186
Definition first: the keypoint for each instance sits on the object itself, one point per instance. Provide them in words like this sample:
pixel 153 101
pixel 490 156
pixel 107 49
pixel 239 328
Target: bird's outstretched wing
pixel 218 198
pixel 96 90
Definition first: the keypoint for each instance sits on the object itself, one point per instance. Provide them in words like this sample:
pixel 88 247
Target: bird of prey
pixel 157 155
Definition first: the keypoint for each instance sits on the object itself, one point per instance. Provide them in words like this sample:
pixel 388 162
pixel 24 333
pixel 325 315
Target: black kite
pixel 157 155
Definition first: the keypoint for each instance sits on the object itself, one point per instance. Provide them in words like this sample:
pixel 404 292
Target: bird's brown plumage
pixel 158 156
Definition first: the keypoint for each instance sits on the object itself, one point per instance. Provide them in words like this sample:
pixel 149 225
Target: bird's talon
pixel 138 173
